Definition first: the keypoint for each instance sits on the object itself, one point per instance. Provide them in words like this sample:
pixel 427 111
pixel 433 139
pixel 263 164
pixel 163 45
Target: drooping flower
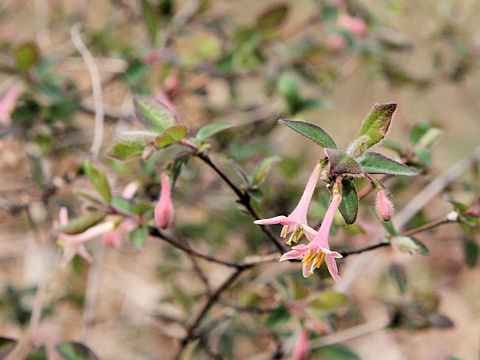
pixel 164 210
pixel 300 351
pixel 355 25
pixel 74 244
pixel 318 250
pixel 296 222
pixel 384 206
pixel 7 104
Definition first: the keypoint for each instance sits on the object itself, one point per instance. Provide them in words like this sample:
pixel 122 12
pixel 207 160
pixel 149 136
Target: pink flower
pixel 74 244
pixel 300 351
pixel 384 206
pixel 297 220
pixel 356 26
pixel 318 250
pixel 164 209
pixel 7 104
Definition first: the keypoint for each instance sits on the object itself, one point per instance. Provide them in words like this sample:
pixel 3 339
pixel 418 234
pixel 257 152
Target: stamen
pixel 318 260
pixel 309 257
pixel 284 232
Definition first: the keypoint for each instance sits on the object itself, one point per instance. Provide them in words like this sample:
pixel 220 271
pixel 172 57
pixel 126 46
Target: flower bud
pixel 384 206
pixel 300 351
pixel 164 209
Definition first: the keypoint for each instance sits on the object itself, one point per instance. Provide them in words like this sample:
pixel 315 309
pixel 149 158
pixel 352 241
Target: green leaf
pixel 311 131
pixel 278 317
pixel 263 169
pixel 471 251
pixel 153 114
pixel 172 135
pixel 152 20
pixel 212 129
pixel 39 353
pixel 123 151
pixel 397 272
pixel 375 163
pixel 388 225
pixel 376 125
pixel 349 204
pixel 424 155
pixel 178 165
pixel 138 236
pixel 409 244
pixel 72 350
pixel 256 194
pixel 340 163
pixel 328 301
pixel 418 131
pixel 81 224
pixel 26 56
pixel 336 352
pixel 37 169
pixel 98 179
pixel 287 85
pixel 6 345
pixel 272 17
pixel 136 137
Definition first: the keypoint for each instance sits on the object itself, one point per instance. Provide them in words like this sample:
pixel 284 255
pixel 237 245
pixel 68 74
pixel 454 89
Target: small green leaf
pixel 328 301
pixel 6 346
pixel 418 131
pixel 81 224
pixel 26 56
pixel 336 352
pixel 349 204
pixel 471 251
pixel 374 163
pixel 39 353
pixel 397 272
pixel 138 236
pixel 172 135
pixel 98 179
pixel 136 137
pixel 287 85
pixel 388 225
pixel 340 163
pixel 272 17
pixel 263 169
pixel 37 169
pixel 72 350
pixel 311 131
pixel 424 155
pixel 278 317
pixel 409 244
pixel 153 114
pixel 177 167
pixel 152 20
pixel 376 125
pixel 212 129
pixel 123 151
pixel 256 194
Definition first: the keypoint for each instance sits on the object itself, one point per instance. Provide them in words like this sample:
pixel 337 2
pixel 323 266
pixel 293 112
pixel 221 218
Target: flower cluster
pixel 317 250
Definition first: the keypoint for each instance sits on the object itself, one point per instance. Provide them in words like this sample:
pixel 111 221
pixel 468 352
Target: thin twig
pixel 96 87
pixel 243 198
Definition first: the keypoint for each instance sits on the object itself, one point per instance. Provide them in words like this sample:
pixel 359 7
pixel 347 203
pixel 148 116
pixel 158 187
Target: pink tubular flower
pixel 384 206
pixel 300 351
pixel 318 250
pixel 74 244
pixel 297 220
pixel 164 209
pixel 7 104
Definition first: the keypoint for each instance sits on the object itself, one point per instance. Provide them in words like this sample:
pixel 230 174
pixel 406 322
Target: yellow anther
pixel 287 228
pixel 318 260
pixel 309 257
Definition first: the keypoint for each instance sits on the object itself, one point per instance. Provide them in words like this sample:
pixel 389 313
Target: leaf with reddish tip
pixel 172 135
pixel 153 114
pixel 375 163
pixel 340 163
pixel 122 151
pixel 377 123
pixel 311 131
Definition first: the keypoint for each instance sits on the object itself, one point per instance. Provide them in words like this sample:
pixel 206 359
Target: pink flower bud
pixel 164 209
pixel 356 26
pixel 300 351
pixel 384 205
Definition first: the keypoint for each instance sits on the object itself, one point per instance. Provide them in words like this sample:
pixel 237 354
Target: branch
pixel 243 198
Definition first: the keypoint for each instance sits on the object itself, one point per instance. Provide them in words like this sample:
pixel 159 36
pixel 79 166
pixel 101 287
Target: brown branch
pixel 243 198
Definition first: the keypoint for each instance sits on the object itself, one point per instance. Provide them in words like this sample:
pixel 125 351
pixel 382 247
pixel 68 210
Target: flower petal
pixel 294 254
pixel 275 220
pixel 332 267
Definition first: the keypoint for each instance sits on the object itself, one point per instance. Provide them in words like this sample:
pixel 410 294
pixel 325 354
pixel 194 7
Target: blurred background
pixel 247 63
